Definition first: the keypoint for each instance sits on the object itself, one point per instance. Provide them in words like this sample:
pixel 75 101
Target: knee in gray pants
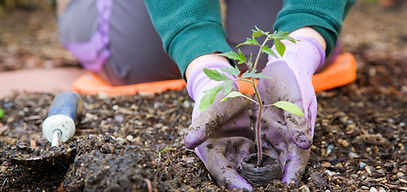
pixel 136 53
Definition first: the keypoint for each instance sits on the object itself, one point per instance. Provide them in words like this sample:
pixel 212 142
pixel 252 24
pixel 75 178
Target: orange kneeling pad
pixel 341 72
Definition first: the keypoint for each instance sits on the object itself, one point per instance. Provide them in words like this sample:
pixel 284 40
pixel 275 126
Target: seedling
pixel 164 150
pixel 249 76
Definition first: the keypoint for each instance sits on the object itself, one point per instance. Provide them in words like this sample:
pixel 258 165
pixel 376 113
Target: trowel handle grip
pixel 63 114
pixel 66 103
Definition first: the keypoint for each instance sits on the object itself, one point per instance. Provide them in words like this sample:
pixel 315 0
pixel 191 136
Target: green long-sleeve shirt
pixel 191 28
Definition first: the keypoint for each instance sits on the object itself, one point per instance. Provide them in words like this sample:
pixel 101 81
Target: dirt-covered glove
pixel 221 133
pixel 221 118
pixel 291 76
pixel 222 157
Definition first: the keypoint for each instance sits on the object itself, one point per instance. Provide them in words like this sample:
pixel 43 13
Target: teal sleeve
pixel 325 16
pixel 188 28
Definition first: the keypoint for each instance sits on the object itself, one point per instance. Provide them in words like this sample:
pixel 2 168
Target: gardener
pixel 117 40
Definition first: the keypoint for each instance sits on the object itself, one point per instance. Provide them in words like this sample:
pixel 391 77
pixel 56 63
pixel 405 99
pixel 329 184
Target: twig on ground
pixel 149 185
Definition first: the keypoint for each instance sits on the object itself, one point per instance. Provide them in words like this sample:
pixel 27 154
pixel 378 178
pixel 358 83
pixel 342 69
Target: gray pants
pixel 135 49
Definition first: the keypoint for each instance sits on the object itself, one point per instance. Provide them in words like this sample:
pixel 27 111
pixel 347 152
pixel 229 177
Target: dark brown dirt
pixel 359 144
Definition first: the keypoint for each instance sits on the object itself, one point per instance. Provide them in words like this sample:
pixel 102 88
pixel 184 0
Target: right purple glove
pixel 291 77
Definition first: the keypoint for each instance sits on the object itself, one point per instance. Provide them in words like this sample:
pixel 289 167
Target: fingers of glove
pixel 222 157
pixel 287 87
pixel 295 162
pixel 302 128
pixel 210 122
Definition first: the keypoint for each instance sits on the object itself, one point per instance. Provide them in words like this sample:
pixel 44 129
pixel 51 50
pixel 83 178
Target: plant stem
pixel 258 128
pixel 259 53
pixel 260 103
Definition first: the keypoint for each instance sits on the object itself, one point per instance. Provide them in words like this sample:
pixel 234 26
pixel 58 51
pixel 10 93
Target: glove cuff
pixel 317 48
pixel 198 81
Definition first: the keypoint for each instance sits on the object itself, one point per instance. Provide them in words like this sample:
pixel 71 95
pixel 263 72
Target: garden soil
pixel 135 143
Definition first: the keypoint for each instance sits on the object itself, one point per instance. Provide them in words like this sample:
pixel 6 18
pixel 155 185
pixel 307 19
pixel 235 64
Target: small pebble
pixel 187 104
pixel 326 164
pixel 365 187
pixel 400 174
pixel 362 165
pixel 353 155
pixel 329 150
pixel 129 138
pixel 381 189
pixel 373 189
pixel 345 143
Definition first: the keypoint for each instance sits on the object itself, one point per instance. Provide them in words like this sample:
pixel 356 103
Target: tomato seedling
pixel 249 76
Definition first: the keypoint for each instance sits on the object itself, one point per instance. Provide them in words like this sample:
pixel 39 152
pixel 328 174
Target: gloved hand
pixel 221 133
pixel 291 76
pixel 221 118
pixel 222 157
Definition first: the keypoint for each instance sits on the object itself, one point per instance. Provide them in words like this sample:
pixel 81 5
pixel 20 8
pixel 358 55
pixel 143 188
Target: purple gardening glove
pixel 221 118
pixel 291 135
pixel 220 134
pixel 222 158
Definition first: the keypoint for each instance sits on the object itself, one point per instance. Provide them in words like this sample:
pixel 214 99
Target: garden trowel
pixel 58 127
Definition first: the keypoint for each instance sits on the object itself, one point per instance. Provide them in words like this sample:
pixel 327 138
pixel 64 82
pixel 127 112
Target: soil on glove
pixel 134 143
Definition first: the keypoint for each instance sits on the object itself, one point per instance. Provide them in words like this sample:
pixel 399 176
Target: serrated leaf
pixel 267 50
pixel 231 55
pixel 227 87
pixel 253 74
pixel 257 32
pixel 249 41
pixel 242 58
pixel 289 107
pixel 215 75
pixel 290 39
pixel 281 36
pixel 208 98
pixel 280 47
pixel 232 95
pixel 233 71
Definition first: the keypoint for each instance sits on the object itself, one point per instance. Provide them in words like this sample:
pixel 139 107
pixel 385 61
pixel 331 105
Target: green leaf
pixel 258 32
pixel 166 149
pixel 281 36
pixel 249 41
pixel 235 56
pixel 267 50
pixel 231 55
pixel 242 58
pixel 290 39
pixel 209 96
pixel 253 74
pixel 289 107
pixel 215 75
pixel 280 47
pixel 1 113
pixel 232 95
pixel 233 71
pixel 227 87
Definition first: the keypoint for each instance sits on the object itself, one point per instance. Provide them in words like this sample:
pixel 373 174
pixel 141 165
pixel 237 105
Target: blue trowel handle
pixel 63 114
pixel 66 103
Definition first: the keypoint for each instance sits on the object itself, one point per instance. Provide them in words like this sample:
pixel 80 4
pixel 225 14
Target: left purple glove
pixel 220 119
pixel 291 135
pixel 220 134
